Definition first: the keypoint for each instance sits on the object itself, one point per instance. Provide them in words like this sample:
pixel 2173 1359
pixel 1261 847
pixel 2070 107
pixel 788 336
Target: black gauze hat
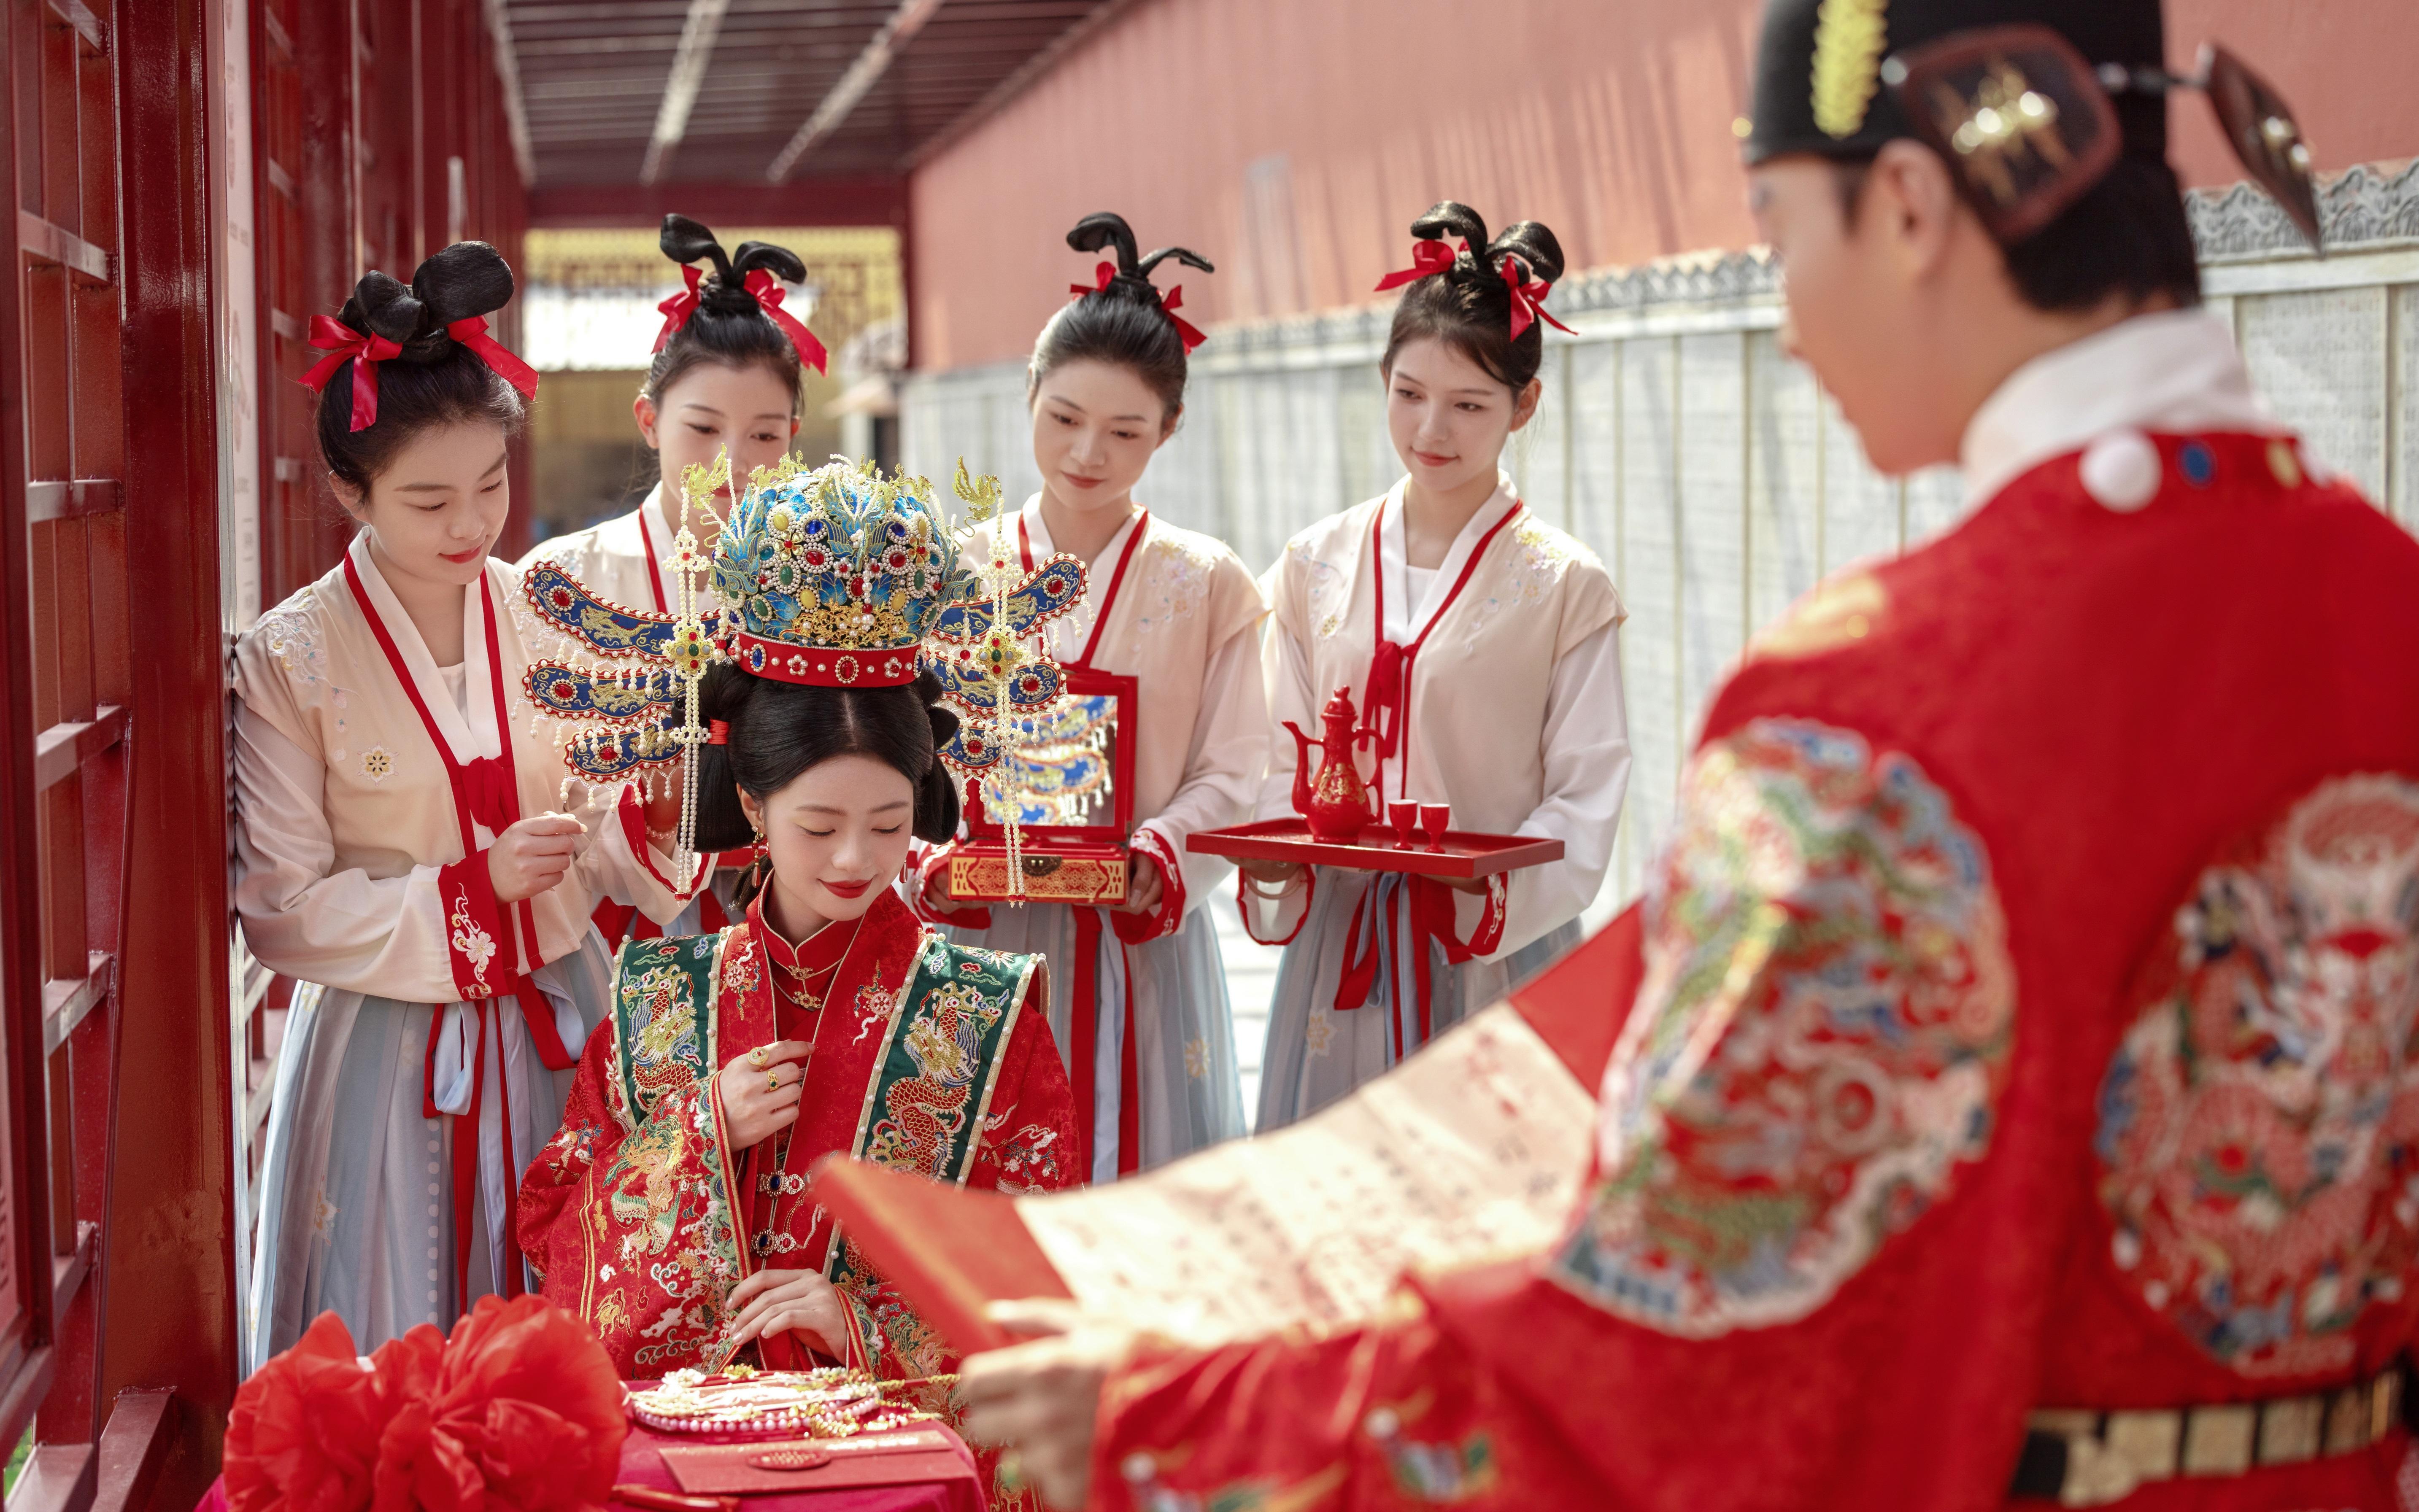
pixel 1818 68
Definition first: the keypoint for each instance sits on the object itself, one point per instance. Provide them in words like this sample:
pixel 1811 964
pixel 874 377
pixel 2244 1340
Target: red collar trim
pixel 1116 580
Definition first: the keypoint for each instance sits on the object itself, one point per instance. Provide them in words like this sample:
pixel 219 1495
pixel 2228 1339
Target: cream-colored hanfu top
pixel 1514 713
pixel 1180 622
pixel 352 870
pixel 626 559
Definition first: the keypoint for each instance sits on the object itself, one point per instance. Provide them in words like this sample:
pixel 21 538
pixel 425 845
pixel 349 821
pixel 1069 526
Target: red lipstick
pixel 464 558
pixel 847 890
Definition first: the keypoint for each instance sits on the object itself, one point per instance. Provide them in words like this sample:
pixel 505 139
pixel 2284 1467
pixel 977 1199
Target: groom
pixel 2020 1095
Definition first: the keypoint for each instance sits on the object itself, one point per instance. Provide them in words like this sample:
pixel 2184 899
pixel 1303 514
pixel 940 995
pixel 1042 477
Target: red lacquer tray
pixel 1465 854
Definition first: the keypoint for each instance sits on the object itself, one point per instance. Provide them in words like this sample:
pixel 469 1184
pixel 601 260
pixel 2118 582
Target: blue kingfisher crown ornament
pixel 835 574
pixel 832 576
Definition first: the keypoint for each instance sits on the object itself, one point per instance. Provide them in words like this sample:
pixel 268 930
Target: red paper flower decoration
pixel 304 1430
pixel 520 1407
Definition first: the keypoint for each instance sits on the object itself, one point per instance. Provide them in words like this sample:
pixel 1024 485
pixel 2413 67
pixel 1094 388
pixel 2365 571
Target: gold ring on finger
pixel 756 1058
pixel 772 1081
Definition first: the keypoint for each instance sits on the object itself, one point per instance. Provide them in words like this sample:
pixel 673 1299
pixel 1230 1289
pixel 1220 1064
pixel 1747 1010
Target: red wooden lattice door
pixel 128 452
pixel 99 650
pixel 64 821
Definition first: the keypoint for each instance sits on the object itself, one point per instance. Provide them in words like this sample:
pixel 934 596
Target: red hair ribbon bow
pixel 472 333
pixel 1427 257
pixel 678 308
pixel 1185 330
pixel 342 343
pixel 769 295
pixel 1528 298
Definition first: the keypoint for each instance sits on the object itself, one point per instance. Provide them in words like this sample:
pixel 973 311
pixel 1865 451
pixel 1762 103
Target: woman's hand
pixel 1145 886
pixel 788 1302
pixel 760 1091
pixel 1043 1397
pixel 532 855
pixel 936 891
pixel 1272 873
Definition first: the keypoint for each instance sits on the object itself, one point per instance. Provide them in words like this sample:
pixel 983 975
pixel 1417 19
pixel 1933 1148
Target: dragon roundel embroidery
pixel 2258 1125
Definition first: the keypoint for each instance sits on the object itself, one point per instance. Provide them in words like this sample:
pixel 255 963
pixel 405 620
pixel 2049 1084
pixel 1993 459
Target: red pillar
pixel 167 1242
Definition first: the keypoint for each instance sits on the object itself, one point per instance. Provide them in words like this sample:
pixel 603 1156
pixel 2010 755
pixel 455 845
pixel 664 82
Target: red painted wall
pixel 1293 143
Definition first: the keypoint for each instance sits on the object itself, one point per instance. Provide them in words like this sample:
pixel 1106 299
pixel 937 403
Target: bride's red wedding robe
pixel 928 1057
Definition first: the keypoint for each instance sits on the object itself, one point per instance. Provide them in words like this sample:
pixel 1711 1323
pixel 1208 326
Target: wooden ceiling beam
pixel 895 33
pixel 689 60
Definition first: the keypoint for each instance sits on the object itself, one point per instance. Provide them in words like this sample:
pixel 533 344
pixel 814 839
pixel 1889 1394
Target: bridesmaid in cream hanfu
pixel 1481 647
pixel 725 377
pixel 398 845
pixel 1177 612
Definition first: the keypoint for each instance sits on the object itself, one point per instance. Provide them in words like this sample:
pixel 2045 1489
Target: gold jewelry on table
pixel 827 1403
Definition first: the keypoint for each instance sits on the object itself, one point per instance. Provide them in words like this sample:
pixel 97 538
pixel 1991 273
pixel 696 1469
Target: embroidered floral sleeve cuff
pixel 1484 913
pixel 1168 917
pixel 474 927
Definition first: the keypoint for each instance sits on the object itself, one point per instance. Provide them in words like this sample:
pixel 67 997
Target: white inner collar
pixel 1405 618
pixel 2174 371
pixel 469 727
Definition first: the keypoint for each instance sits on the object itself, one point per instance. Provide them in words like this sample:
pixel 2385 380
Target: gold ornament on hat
pixel 2007 120
pixel 1849 36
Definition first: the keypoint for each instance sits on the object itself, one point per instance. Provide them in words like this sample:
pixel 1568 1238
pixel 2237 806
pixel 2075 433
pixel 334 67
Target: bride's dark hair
pixel 777 730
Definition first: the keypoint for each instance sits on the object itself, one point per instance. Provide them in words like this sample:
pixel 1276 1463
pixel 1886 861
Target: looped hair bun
pixel 1528 240
pixel 1107 229
pixel 1468 304
pixel 725 290
pixel 467 278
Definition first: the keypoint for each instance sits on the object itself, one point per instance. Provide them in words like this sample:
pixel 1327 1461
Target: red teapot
pixel 1337 800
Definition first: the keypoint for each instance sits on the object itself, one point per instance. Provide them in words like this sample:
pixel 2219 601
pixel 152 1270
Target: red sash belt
pixel 1431 922
pixel 1385 715
pixel 486 790
pixel 1386 691
pixel 1085 1012
pixel 1087 1007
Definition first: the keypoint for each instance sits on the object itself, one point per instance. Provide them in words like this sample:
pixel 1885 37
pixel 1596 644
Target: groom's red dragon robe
pixel 2022 1036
